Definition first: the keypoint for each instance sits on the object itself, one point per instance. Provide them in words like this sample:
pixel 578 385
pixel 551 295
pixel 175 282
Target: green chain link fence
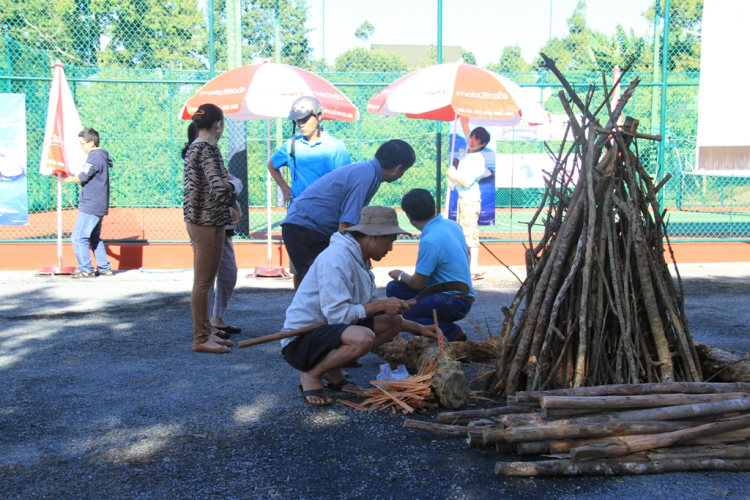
pixel 132 64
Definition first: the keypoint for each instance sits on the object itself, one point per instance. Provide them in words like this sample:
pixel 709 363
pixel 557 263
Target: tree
pixel 369 61
pixel 685 22
pixel 468 57
pixel 258 32
pixel 152 33
pixel 618 50
pixel 63 29
pixel 365 31
pixel 510 61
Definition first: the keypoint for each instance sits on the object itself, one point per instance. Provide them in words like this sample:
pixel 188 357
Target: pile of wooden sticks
pixel 412 393
pixel 600 304
pixel 615 429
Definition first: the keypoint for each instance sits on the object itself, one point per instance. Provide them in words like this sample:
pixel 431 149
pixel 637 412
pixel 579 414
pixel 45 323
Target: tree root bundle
pixel 613 430
pixel 600 304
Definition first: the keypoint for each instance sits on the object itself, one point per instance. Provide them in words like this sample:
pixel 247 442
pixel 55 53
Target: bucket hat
pixel 377 221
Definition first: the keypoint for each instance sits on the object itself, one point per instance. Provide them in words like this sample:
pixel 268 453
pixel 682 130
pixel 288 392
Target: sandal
pixel 229 329
pixel 341 386
pixel 221 334
pixel 315 392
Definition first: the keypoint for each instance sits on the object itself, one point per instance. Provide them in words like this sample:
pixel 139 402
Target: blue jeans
pixel 86 234
pixel 449 308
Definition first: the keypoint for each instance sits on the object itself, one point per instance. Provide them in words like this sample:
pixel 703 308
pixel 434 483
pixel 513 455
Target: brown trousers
pixel 208 245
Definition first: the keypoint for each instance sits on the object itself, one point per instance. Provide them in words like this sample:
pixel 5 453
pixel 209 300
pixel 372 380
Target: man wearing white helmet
pixel 309 155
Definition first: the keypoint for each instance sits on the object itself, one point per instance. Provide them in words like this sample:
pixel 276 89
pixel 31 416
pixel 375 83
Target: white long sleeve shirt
pixel 335 288
pixel 471 168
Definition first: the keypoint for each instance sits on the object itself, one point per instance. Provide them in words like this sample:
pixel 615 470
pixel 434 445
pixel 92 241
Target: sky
pixel 483 27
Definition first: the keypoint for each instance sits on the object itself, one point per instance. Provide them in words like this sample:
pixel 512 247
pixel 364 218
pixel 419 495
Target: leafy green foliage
pixel 365 31
pixel 368 61
pixel 468 57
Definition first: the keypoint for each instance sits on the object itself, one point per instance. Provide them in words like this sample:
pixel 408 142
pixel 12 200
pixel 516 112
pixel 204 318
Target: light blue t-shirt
pixel 337 197
pixel 443 253
pixel 313 160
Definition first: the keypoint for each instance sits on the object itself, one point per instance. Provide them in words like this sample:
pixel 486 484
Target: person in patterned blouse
pixel 210 191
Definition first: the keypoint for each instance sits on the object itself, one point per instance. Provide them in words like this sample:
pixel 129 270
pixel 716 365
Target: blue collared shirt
pixel 314 160
pixel 443 253
pixel 337 197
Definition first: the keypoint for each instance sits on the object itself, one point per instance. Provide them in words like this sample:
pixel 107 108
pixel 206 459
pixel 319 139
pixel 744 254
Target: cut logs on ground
pixel 613 430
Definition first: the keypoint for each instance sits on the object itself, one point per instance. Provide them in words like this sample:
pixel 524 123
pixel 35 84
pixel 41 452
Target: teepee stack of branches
pixel 600 305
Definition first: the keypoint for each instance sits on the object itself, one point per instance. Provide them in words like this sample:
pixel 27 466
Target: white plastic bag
pixel 388 375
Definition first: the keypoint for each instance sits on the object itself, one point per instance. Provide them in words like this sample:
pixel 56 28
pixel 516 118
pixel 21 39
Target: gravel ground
pixel 103 398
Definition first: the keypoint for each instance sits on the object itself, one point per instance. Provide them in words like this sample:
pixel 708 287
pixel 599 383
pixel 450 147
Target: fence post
pixel 211 53
pixel 655 69
pixel 279 121
pixel 439 128
pixel 663 118
pixel 237 130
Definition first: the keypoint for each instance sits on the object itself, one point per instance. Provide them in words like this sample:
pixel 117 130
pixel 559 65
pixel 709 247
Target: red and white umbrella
pixel 267 90
pixel 61 152
pixel 445 91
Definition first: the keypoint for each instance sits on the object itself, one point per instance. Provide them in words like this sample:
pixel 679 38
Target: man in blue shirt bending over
pixel 334 202
pixel 311 154
pixel 442 256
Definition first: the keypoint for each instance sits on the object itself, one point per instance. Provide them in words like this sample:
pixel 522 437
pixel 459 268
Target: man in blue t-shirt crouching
pixel 93 204
pixel 442 256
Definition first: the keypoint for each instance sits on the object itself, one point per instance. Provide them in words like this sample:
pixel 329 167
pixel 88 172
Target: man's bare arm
pixel 72 179
pixel 416 281
pixel 390 306
pixel 276 175
pixel 344 225
pixel 426 331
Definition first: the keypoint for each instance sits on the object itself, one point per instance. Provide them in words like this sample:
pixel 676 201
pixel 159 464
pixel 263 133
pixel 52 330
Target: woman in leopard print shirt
pixel 209 193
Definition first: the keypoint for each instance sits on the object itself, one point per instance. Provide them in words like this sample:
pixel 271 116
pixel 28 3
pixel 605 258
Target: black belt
pixel 462 297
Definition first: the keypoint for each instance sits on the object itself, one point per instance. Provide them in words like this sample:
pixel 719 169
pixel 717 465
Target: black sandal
pixel 229 329
pixel 315 392
pixel 339 386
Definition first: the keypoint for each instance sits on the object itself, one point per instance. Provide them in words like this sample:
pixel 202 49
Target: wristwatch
pixel 399 277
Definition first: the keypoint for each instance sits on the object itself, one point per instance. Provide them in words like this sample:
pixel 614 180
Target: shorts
pixel 468 217
pixel 308 350
pixel 303 245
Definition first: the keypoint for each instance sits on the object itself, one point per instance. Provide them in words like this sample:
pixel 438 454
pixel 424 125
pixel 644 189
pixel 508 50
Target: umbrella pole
pixel 59 268
pixel 268 189
pixel 450 163
pixel 269 271
pixel 59 221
